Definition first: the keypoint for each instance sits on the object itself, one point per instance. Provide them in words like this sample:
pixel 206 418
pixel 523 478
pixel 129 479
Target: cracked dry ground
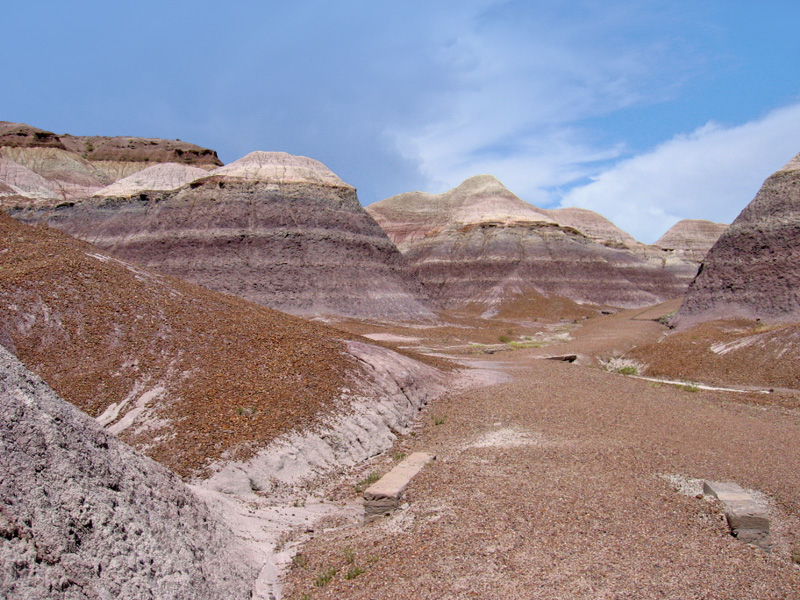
pixel 551 485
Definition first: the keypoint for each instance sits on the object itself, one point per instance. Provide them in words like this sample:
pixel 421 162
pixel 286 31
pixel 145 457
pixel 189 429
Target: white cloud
pixel 518 84
pixel 711 173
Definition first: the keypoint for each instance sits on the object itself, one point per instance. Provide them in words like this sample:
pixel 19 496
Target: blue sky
pixel 645 111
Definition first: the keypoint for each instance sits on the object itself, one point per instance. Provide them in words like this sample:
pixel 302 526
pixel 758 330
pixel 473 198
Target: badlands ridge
pixel 168 433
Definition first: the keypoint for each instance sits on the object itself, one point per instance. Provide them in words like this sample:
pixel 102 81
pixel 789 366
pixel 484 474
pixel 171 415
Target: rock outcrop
pixel 161 177
pixel 83 516
pixel 692 238
pixel 753 270
pixel 592 225
pixel 74 167
pixel 480 244
pixel 103 149
pixel 20 135
pixel 276 229
pixel 191 377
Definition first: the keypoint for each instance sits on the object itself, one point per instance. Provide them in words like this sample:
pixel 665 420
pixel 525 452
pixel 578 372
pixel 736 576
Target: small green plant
pixel 305 597
pixel 527 344
pixel 367 481
pixel 665 319
pixel 398 456
pixel 623 366
pixel 353 572
pixel 690 387
pixel 349 556
pixel 245 411
pixel 299 561
pixel 439 420
pixel 324 577
pixel 504 339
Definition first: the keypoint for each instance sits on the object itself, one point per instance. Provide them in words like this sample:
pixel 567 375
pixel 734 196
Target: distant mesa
pixel 20 135
pixel 280 167
pixel 74 167
pixel 592 225
pixel 410 217
pixel 692 238
pixel 136 149
pixel 481 245
pixel 280 230
pixel 84 515
pixel 753 270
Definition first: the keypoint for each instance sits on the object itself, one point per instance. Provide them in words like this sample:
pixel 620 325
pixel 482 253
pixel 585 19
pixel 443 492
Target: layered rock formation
pixel 276 229
pixel 191 377
pixel 74 167
pixel 593 225
pixel 480 244
pixel 161 177
pixel 753 270
pixel 692 238
pixel 103 149
pixel 82 515
pixel 413 216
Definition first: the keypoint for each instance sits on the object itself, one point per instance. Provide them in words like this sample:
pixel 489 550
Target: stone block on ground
pixel 385 495
pixel 746 519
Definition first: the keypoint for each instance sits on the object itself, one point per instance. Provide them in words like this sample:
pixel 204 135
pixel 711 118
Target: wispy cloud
pixel 711 173
pixel 522 79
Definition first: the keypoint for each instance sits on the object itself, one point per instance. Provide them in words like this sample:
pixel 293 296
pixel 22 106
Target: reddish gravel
pixel 753 354
pixel 235 375
pixel 568 502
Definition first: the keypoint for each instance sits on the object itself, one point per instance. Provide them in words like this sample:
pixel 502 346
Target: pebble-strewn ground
pixel 555 485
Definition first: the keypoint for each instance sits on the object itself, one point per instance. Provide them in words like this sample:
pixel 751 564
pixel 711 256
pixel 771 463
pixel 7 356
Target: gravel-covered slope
pixel 83 516
pixel 191 377
pixel 183 373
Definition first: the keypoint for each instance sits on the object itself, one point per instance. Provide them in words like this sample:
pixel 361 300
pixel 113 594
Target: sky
pixel 647 112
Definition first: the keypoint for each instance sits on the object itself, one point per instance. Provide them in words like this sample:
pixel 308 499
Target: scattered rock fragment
pixel 747 521
pixel 385 495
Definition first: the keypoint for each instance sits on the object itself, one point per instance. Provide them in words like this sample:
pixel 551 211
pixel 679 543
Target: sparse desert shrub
pixel 367 481
pixel 299 561
pixel 527 344
pixel 349 556
pixel 324 577
pixel 353 572
pixel 398 456
pixel 504 339
pixel 665 319
pixel 690 387
pixel 623 366
pixel 439 420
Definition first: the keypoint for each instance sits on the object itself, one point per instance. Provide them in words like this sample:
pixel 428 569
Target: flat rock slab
pixel 747 521
pixel 570 358
pixel 384 496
